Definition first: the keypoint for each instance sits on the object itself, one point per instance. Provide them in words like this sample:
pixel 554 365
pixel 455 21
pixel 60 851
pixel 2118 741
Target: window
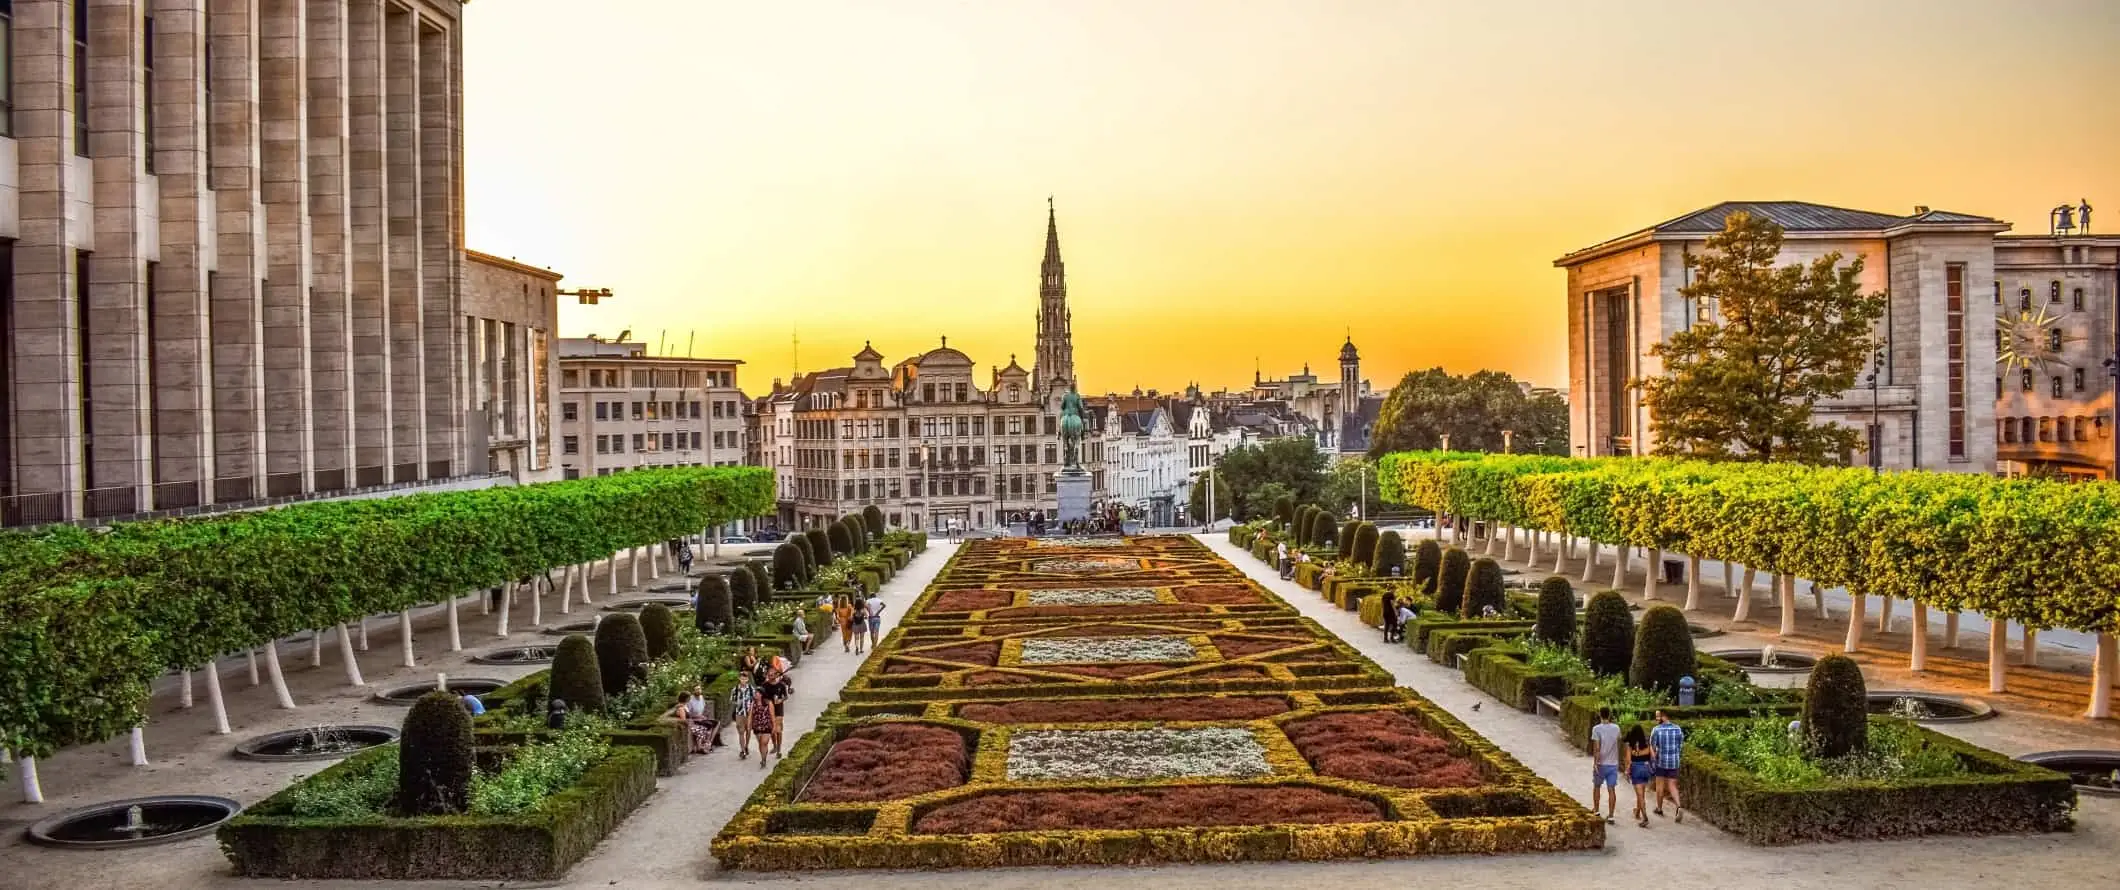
pixel 1015 426
pixel 915 484
pixel 2057 387
pixel 1998 291
pixel 2078 374
pixel 927 392
pixel 570 445
pixel 1052 454
pixel 147 88
pixel 978 426
pixel 2024 298
pixel 964 426
pixel 2053 339
pixel 2009 431
pixel 2053 292
pixel 894 493
pixel 960 393
pixel 890 428
pixel 695 441
pixel 570 379
pixel 638 443
pixel 1954 358
pixel 637 409
pixel 2076 300
pixel 669 410
pixel 570 411
pixel 2027 384
pixel 669 441
pixel 848 491
pixel 1050 428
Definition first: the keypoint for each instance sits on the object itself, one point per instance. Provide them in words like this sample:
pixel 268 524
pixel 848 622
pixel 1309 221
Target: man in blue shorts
pixel 1666 740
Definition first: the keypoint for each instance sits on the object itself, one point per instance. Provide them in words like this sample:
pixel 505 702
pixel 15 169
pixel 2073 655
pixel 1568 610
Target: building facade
pixel 621 408
pixel 1149 463
pixel 511 365
pixel 1339 412
pixel 1962 299
pixel 230 281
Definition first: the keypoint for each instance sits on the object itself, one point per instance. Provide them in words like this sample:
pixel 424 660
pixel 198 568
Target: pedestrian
pixel 1604 754
pixel 700 712
pixel 1667 740
pixel 748 663
pixel 1640 770
pixel 701 733
pixel 875 604
pixel 843 615
pixel 684 559
pixel 1390 614
pixel 473 705
pixel 801 631
pixel 1280 551
pixel 859 624
pixel 772 702
pixel 1405 618
pixel 741 700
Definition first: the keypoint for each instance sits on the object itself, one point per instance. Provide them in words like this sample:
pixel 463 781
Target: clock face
pixel 2026 339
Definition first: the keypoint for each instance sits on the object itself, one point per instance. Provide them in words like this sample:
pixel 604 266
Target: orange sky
pixel 1236 181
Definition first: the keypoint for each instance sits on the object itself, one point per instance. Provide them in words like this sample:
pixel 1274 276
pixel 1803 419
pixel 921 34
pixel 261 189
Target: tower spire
pixel 1053 370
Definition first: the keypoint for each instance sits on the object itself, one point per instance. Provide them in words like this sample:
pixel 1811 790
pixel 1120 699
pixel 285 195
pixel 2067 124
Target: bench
pixel 1548 705
pixel 1461 661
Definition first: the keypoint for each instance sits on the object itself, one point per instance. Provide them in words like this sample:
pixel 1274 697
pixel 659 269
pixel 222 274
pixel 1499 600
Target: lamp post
pixel 1876 429
pixel 1361 502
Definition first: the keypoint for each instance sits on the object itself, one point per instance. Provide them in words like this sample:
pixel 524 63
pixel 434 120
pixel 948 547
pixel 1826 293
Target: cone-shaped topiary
pixel 1427 566
pixel 621 651
pixel 1391 554
pixel 1322 528
pixel 1608 634
pixel 659 628
pixel 1284 511
pixel 1450 580
pixel 1345 538
pixel 1836 708
pixel 1556 611
pixel 743 594
pixel 576 679
pixel 1483 589
pixel 821 554
pixel 761 585
pixel 788 564
pixel 1663 650
pixel 872 515
pixel 1299 526
pixel 1364 548
pixel 837 535
pixel 434 757
pixel 715 613
pixel 858 529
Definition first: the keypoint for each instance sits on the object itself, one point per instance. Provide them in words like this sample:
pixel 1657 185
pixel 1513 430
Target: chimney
pixel 1920 209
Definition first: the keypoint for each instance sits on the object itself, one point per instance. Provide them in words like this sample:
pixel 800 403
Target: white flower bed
pixel 1080 542
pixel 1086 566
pixel 1217 751
pixel 1093 596
pixel 1080 649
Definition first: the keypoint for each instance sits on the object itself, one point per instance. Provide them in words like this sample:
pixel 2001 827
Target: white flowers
pixel 1219 751
pixel 1085 566
pixel 1090 596
pixel 1080 542
pixel 1076 649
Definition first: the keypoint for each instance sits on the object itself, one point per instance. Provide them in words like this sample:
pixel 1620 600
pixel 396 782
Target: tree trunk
pixel 633 567
pixel 364 633
pixel 316 648
pixel 1531 551
pixel 485 602
pixel 2102 670
pixel 1620 552
pixel 138 739
pixel 32 790
pixel 1729 579
pixel 1651 582
pixel 405 636
pixel 1918 659
pixel 1818 598
pixel 1744 597
pixel 654 562
pixel 1998 654
pixel 1884 617
pixel 2031 646
pixel 1508 543
pixel 1692 582
pixel 456 640
pixel 1787 600
pixel 279 679
pixel 566 590
pixel 1589 563
pixel 214 700
pixel 537 602
pixel 500 629
pixel 582 581
pixel 1561 545
pixel 184 689
pixel 612 589
pixel 1858 603
pixel 1950 631
pixel 251 656
pixel 353 665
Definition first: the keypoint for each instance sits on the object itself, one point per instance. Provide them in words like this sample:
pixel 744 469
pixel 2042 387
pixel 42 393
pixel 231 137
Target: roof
pixel 1791 216
pixel 510 265
pixel 1347 353
pixel 1355 427
pixel 868 353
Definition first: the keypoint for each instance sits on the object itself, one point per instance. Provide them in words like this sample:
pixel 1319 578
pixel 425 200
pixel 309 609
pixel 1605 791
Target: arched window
pixel 2029 433
pixel 2009 431
pixel 2046 429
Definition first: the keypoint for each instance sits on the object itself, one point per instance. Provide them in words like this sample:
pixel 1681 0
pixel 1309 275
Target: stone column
pixel 408 399
pixel 46 397
pixel 326 47
pixel 118 449
pixel 369 228
pixel 440 253
pixel 238 270
pixel 183 362
pixel 284 182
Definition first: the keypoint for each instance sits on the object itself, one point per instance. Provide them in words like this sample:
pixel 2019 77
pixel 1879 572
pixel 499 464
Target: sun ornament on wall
pixel 2031 338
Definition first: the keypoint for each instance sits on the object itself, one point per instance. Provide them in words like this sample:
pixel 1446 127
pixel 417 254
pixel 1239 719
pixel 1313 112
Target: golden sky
pixel 1237 181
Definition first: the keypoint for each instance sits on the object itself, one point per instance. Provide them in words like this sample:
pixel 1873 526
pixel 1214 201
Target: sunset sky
pixel 1236 181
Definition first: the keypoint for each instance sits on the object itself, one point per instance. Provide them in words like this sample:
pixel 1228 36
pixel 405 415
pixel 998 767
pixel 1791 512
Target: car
pixel 737 539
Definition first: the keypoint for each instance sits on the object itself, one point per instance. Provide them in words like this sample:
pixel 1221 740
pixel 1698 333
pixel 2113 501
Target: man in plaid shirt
pixel 1667 740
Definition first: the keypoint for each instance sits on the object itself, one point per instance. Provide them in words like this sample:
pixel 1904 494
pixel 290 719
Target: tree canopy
pixel 1294 463
pixel 1472 410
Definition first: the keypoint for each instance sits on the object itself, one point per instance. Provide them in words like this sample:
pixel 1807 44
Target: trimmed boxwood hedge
pixel 1500 671
pixel 266 842
pixel 1446 644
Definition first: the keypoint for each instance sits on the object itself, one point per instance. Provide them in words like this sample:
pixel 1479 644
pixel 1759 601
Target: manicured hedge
pixel 265 841
pixel 1500 671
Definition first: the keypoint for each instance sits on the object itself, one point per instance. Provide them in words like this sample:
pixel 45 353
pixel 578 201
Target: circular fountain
pixel 135 822
pixel 538 654
pixel 321 742
pixel 1769 667
pixel 583 626
pixel 2093 772
pixel 1928 707
pixel 635 605
pixel 1701 631
pixel 407 693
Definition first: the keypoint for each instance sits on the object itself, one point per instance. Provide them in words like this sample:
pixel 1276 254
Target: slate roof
pixel 1792 216
pixel 1355 428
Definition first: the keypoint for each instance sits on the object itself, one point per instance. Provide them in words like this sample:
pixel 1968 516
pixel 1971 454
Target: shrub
pixel 1427 565
pixel 621 651
pixel 788 564
pixel 1391 554
pixel 1321 528
pixel 872 515
pixel 810 562
pixel 1364 548
pixel 1346 540
pixel 576 679
pixel 1663 651
pixel 821 553
pixel 434 757
pixel 761 585
pixel 1608 634
pixel 1483 589
pixel 743 595
pixel 1556 611
pixel 659 628
pixel 1836 708
pixel 1299 526
pixel 1284 510
pixel 842 541
pixel 715 612
pixel 1450 580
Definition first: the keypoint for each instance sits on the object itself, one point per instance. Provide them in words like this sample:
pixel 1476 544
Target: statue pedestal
pixel 1073 485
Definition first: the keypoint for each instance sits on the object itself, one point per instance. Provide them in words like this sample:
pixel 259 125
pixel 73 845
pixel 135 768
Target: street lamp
pixel 587 296
pixel 1876 427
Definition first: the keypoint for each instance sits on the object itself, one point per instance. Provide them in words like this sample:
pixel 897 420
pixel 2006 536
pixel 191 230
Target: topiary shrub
pixel 872 515
pixel 1608 634
pixel 1427 566
pixel 1663 650
pixel 715 612
pixel 1284 511
pixel 659 627
pixel 841 540
pixel 820 548
pixel 1450 580
pixel 1300 526
pixel 788 563
pixel 760 584
pixel 1391 554
pixel 576 678
pixel 1344 536
pixel 621 651
pixel 744 595
pixel 1483 589
pixel 1364 548
pixel 1556 612
pixel 810 562
pixel 1836 708
pixel 434 757
pixel 1322 528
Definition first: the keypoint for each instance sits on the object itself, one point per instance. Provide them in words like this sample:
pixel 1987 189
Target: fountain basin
pixel 517 655
pixel 635 605
pixel 325 742
pixel 568 629
pixel 1934 707
pixel 1784 662
pixel 135 822
pixel 407 693
pixel 2093 772
pixel 673 587
pixel 1702 630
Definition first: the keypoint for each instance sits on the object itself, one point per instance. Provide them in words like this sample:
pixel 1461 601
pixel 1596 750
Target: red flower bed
pixel 1217 594
pixel 967 653
pixel 1077 710
pixel 894 666
pixel 888 762
pixel 1238 647
pixel 970 600
pixel 1140 611
pixel 1182 807
pixel 1385 747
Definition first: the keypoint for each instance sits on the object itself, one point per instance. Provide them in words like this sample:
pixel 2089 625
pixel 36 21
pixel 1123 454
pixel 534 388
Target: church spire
pixel 1053 369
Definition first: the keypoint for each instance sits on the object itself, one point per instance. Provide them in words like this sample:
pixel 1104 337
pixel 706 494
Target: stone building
pixel 511 368
pixel 1327 405
pixel 621 408
pixel 230 281
pixel 1963 299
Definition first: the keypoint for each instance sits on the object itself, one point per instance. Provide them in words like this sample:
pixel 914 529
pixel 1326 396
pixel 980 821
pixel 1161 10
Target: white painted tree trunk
pixel 485 602
pixel 1884 617
pixel 500 628
pixel 633 567
pixel 184 689
pixel 138 746
pixel 1729 579
pixel 353 665
pixel 612 579
pixel 1652 580
pixel 251 657
pixel 1589 563
pixel 1508 543
pixel 2031 646
pixel 405 636
pixel 1561 545
pixel 566 590
pixel 214 701
pixel 655 559
pixel 1918 657
pixel 316 648
pixel 2103 664
pixel 1788 606
pixel 1818 599
pixel 1858 602
pixel 1744 597
pixel 1531 545
pixel 364 633
pixel 587 569
pixel 279 679
pixel 32 790
pixel 1998 654
pixel 1692 582
pixel 1950 631
pixel 537 602
pixel 1619 565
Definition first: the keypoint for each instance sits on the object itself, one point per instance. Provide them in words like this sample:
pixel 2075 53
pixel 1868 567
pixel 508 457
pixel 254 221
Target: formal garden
pixel 1060 703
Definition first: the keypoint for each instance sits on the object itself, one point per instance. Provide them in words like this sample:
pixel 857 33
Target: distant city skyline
pixel 1237 192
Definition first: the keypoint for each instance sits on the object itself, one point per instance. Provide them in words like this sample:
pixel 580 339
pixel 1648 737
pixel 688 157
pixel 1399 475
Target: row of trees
pixel 1472 411
pixel 797 559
